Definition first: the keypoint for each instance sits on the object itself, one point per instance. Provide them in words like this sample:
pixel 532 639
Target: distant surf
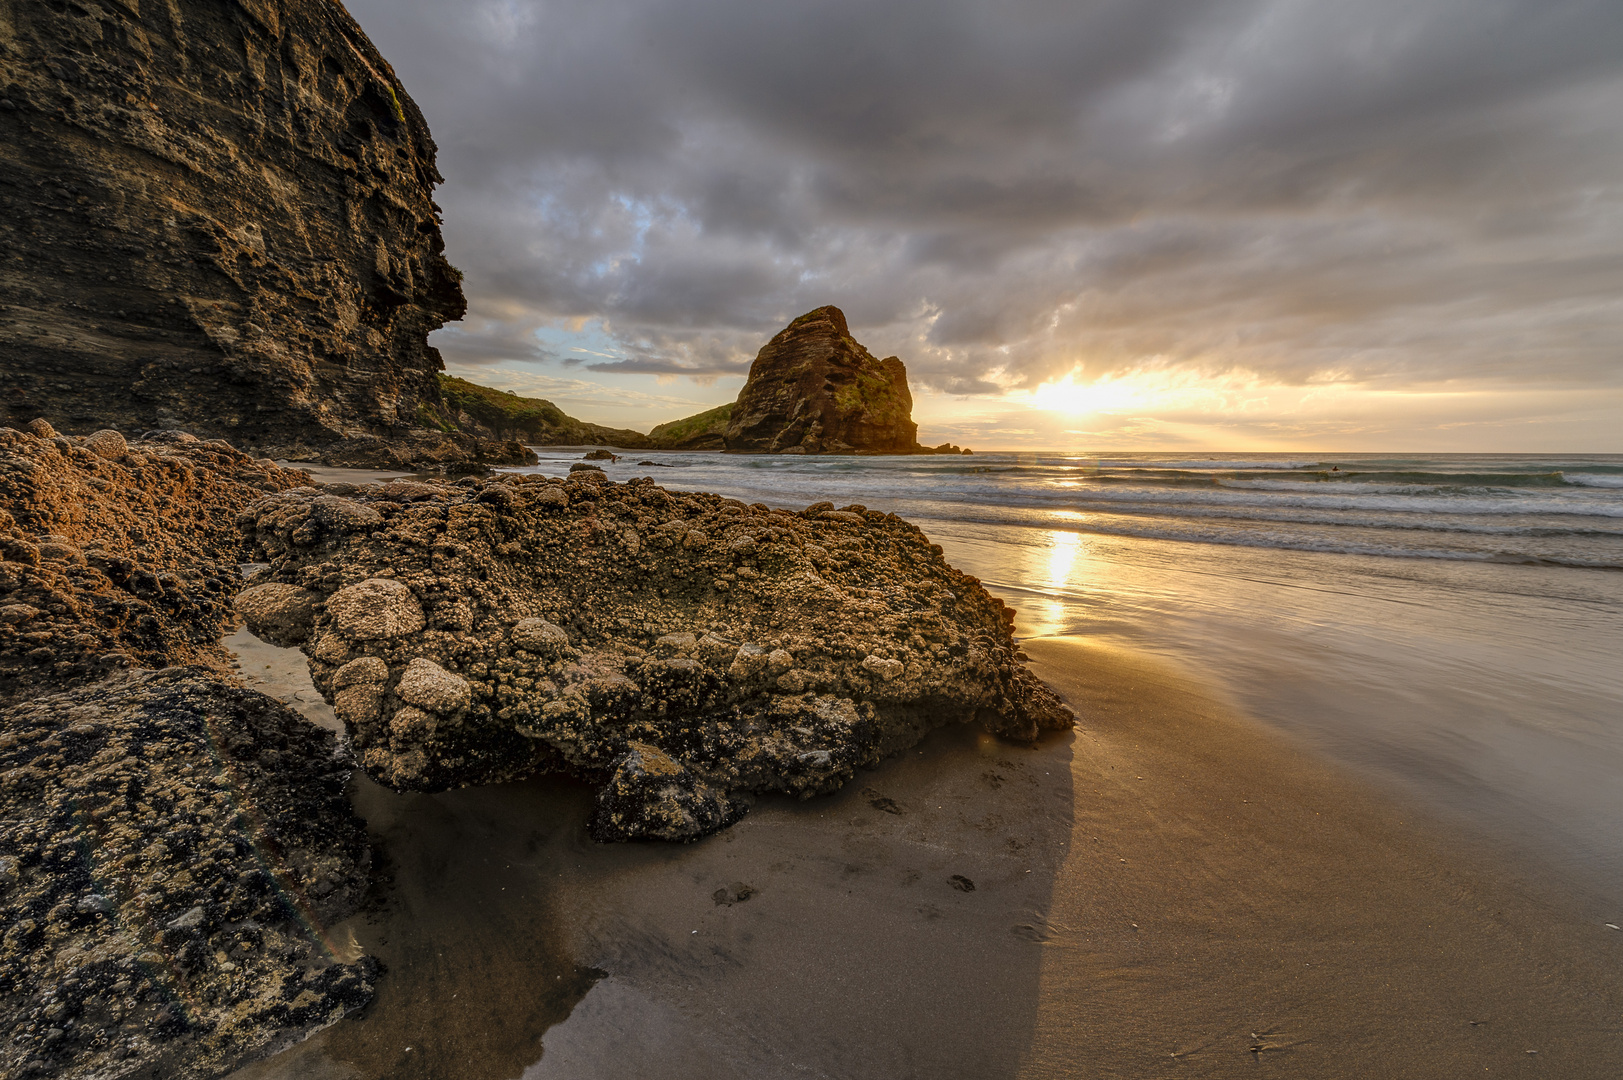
pixel 1532 510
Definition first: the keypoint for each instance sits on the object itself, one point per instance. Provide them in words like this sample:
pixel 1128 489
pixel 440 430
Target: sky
pixel 1127 224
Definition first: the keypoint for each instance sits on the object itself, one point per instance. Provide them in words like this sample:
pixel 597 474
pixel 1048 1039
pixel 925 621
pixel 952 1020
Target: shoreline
pixel 1283 909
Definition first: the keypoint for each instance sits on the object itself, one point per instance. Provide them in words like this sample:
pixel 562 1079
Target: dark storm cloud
pixel 1398 192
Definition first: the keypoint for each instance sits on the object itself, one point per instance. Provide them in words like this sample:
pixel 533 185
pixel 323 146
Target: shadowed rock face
pixel 171 847
pixel 814 390
pixel 217 217
pixel 687 649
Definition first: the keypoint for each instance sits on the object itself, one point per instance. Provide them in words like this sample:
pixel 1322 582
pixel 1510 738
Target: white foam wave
pixel 1225 466
pixel 1594 480
pixel 1329 487
pixel 1332 546
pixel 1552 503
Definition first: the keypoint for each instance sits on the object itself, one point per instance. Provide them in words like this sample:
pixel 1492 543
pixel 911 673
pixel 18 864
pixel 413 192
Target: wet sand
pixel 1172 890
pixel 334 474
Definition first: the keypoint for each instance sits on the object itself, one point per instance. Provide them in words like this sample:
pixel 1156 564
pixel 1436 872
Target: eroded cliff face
pixel 215 215
pixel 814 390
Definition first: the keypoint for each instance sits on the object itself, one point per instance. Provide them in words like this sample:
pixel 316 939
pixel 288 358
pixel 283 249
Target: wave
pixel 1331 546
pixel 1326 544
pixel 1327 487
pixel 1397 504
pixel 1232 466
pixel 1395 522
pixel 1593 480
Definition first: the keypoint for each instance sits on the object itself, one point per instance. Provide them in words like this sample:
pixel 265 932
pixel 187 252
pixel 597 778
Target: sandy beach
pixel 1171 890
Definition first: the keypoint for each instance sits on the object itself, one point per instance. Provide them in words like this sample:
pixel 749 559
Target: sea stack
pixel 224 224
pixel 814 390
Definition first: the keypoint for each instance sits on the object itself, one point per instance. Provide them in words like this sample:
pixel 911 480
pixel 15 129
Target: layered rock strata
pixel 218 217
pixel 685 649
pixel 115 553
pixel 168 843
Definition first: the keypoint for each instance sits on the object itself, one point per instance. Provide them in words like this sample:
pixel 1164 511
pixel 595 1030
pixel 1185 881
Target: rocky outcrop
pixel 684 649
pixel 813 390
pixel 115 553
pixel 170 843
pixel 171 848
pixel 499 415
pixel 218 218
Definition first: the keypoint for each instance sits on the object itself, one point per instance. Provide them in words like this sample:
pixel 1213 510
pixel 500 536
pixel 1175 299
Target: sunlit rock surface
pixel 814 390
pixel 116 552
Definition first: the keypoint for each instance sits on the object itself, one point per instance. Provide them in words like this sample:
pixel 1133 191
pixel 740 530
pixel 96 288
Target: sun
pixel 1065 396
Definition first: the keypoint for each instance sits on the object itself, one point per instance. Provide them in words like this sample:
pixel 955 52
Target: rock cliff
pixel 813 390
pixel 217 216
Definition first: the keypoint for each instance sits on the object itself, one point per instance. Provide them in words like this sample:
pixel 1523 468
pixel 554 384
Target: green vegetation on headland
pixel 497 414
pixel 704 431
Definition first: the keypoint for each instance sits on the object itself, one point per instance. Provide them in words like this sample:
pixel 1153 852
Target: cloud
pixel 1393 193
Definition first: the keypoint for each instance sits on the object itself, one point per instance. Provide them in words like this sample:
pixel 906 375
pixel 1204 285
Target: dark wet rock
pixel 455 453
pixel 736 893
pixel 961 883
pixel 116 553
pixel 584 625
pixel 883 803
pixel 171 847
pixel 651 796
pixel 600 455
pixel 219 217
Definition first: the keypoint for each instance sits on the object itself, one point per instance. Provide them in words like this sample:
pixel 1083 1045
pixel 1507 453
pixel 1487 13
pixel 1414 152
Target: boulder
pixel 519 631
pixel 652 796
pixel 281 614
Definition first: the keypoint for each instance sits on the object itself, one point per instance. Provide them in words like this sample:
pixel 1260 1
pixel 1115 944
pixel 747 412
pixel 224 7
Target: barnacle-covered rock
pixel 117 552
pixel 172 850
pixel 487 630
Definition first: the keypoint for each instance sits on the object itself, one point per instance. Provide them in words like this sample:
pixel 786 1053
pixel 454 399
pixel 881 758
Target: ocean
pixel 1447 626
